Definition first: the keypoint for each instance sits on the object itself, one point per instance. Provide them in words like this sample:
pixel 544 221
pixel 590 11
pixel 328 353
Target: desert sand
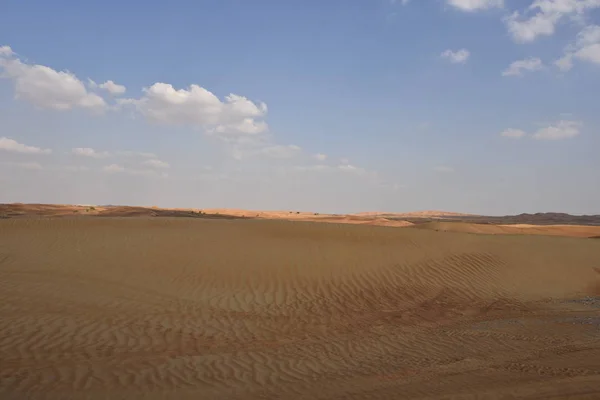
pixel 202 308
pixel 547 224
pixel 514 229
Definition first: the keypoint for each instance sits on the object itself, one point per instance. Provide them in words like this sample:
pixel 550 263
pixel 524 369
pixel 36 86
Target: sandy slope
pixel 135 308
pixel 422 214
pixel 516 229
pixel 366 218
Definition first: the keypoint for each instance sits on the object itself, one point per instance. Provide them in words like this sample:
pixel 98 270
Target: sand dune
pixel 423 214
pixel 445 221
pixel 516 229
pixel 181 308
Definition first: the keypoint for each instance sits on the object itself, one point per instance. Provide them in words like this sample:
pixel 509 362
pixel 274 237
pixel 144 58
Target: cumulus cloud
pixel 352 168
pixel 7 144
pixel 475 5
pixel 6 51
pixel 320 156
pixel 456 57
pixel 560 130
pixel 154 163
pixel 89 152
pixel 111 87
pixel 113 168
pixel 347 168
pixel 518 67
pixel 92 153
pixel 585 48
pixel 129 153
pixel 245 148
pixel 281 151
pixel 47 88
pixel 120 169
pixel 316 167
pixel 563 129
pixel 196 106
pixel 513 133
pixel 542 17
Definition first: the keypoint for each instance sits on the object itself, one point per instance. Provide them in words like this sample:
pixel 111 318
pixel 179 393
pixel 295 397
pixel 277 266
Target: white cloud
pixel 154 163
pixel 88 152
pixel 320 156
pixel 456 57
pixel 46 88
pixel 347 168
pixel 517 67
pixel 198 107
pixel 528 30
pixel 246 126
pixel 565 63
pixel 113 168
pixel 513 133
pixel 110 87
pixel 546 14
pixel 585 48
pixel 129 153
pixel 119 169
pixel 6 51
pixel 280 151
pixel 317 167
pixel 92 153
pixel 352 168
pixel 12 145
pixel 476 5
pixel 560 130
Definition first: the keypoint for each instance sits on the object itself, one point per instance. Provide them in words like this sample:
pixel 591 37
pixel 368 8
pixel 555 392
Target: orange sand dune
pixel 422 214
pixel 375 218
pixel 192 308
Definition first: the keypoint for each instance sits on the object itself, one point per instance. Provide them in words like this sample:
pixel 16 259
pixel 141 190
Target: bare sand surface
pixel 514 229
pixel 188 308
pixel 433 220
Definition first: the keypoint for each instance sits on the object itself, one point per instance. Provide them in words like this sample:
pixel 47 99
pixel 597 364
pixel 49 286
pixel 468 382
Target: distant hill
pixel 378 218
pixel 550 218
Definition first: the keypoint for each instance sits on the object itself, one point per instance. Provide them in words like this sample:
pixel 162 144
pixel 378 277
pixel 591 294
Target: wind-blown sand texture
pixel 182 308
pixel 515 229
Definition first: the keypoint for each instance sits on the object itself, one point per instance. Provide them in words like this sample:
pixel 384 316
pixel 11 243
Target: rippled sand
pixel 117 308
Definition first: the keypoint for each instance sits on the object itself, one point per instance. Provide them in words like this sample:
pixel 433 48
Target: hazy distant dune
pixel 555 224
pixel 516 229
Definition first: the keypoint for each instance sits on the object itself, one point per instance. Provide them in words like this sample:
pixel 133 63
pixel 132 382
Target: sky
pixel 480 106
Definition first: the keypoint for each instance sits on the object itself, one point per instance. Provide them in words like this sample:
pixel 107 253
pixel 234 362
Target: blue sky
pixel 482 106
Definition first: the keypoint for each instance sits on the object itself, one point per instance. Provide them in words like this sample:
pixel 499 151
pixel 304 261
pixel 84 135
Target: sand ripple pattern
pixel 117 308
